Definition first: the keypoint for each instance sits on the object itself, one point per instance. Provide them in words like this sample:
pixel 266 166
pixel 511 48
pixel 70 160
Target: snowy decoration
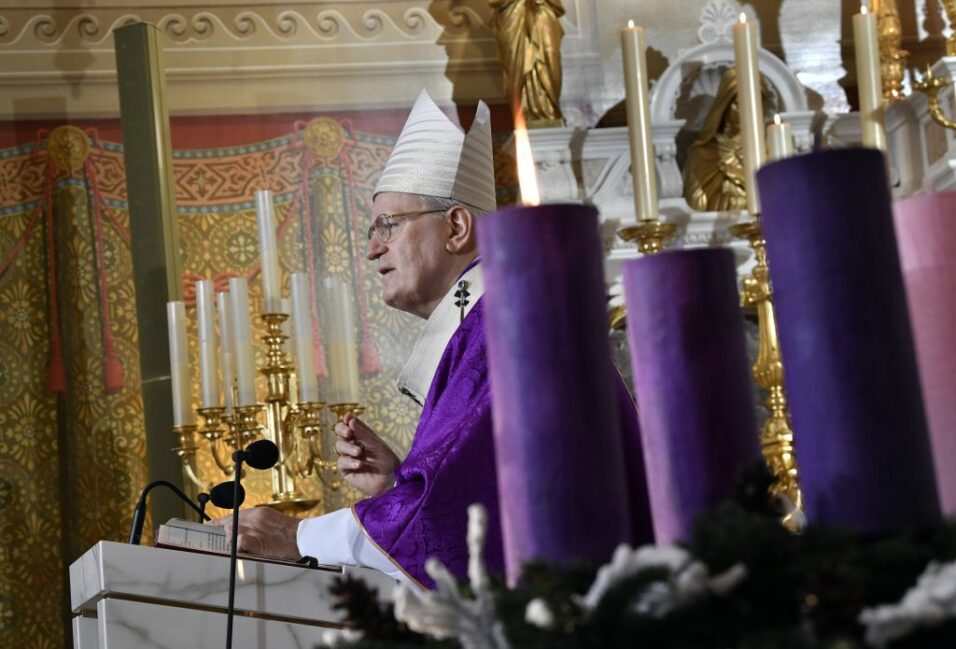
pixel 930 602
pixel 539 614
pixel 444 612
pixel 687 579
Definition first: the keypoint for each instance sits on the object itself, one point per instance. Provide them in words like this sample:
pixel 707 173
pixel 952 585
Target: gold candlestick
pixel 776 438
pixel 649 235
pixel 280 418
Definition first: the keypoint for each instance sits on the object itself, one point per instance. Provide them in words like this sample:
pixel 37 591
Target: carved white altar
pixel 593 165
pixel 125 596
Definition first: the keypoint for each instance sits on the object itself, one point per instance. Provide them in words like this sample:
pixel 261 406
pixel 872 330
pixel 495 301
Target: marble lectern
pixel 125 596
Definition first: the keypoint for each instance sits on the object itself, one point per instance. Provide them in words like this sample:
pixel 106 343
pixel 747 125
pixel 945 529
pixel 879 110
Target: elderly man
pixel 437 182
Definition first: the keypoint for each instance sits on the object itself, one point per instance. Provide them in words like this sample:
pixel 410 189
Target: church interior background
pixel 305 99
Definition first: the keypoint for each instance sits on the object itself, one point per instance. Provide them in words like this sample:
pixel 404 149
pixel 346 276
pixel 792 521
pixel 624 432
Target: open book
pixel 179 534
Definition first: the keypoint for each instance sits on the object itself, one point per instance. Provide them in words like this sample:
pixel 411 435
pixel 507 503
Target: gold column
pixel 155 244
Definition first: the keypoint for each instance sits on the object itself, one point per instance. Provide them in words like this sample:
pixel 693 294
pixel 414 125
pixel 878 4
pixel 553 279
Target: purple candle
pixel 859 429
pixel 692 382
pixel 926 230
pixel 558 445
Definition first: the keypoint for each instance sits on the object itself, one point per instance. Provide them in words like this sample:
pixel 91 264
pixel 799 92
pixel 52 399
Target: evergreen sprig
pixel 802 591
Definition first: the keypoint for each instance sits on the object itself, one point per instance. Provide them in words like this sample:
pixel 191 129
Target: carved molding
pixel 717 19
pixel 232 56
pixel 21 29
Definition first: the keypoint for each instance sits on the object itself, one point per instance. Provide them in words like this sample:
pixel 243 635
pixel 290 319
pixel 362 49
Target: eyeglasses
pixel 384 224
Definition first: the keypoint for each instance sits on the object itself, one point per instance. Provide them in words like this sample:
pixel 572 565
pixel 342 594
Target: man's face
pixel 414 263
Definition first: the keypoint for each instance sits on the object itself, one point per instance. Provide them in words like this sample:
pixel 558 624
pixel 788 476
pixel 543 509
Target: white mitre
pixel 435 158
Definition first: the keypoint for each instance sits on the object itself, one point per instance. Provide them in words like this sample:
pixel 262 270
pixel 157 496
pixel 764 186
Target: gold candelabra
pixel 930 85
pixel 649 235
pixel 777 435
pixel 296 428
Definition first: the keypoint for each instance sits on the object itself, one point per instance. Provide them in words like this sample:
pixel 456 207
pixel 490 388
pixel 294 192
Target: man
pixel 437 182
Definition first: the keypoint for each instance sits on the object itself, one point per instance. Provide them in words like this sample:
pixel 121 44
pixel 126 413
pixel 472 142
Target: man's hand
pixel 264 531
pixel 366 462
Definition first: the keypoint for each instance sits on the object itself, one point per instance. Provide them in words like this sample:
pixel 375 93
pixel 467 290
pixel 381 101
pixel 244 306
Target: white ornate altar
pixel 593 165
pixel 125 596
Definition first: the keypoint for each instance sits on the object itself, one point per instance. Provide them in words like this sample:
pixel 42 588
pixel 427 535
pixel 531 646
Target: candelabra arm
pixel 930 86
pixel 186 451
pixel 194 478
pixel 222 455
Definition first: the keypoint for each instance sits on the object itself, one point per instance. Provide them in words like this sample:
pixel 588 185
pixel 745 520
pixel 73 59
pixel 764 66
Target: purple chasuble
pixel 451 465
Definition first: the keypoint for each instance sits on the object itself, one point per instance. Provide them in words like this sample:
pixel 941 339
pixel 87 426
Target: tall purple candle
pixel 558 449
pixel 859 428
pixel 926 233
pixel 692 381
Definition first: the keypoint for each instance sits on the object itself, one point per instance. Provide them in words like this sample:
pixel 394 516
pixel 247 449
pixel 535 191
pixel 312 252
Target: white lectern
pixel 126 596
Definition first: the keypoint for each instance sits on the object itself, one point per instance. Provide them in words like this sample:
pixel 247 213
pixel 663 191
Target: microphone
pixel 261 454
pixel 139 514
pixel 221 495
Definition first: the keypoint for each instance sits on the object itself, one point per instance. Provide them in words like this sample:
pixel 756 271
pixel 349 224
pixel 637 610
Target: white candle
pixel 868 78
pixel 226 354
pixel 287 325
pixel 343 360
pixel 268 252
pixel 750 106
pixel 242 342
pixel 643 172
pixel 779 139
pixel 208 376
pixel 304 355
pixel 179 364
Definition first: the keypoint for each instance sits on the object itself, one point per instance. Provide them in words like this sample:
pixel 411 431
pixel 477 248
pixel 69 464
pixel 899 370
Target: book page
pixel 207 538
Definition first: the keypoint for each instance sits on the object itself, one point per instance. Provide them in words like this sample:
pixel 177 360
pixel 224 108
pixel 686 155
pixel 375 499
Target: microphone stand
pixel 139 514
pixel 238 456
pixel 203 499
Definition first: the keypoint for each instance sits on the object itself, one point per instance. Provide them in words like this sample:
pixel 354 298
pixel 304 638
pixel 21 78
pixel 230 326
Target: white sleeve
pixel 336 538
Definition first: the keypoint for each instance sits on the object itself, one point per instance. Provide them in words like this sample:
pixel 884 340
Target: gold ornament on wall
pixel 892 56
pixel 529 34
pixel 714 173
pixel 325 138
pixel 69 147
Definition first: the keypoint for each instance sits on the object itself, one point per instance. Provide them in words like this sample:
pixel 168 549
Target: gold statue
pixel 714 171
pixel 892 55
pixel 529 37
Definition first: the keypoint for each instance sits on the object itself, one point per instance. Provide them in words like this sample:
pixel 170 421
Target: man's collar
pixel 416 377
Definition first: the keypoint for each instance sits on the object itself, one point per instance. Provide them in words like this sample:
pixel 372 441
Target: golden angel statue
pixel 529 37
pixel 714 171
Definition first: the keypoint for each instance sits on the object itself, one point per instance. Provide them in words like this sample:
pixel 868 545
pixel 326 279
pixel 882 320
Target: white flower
pixel 930 602
pixel 539 614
